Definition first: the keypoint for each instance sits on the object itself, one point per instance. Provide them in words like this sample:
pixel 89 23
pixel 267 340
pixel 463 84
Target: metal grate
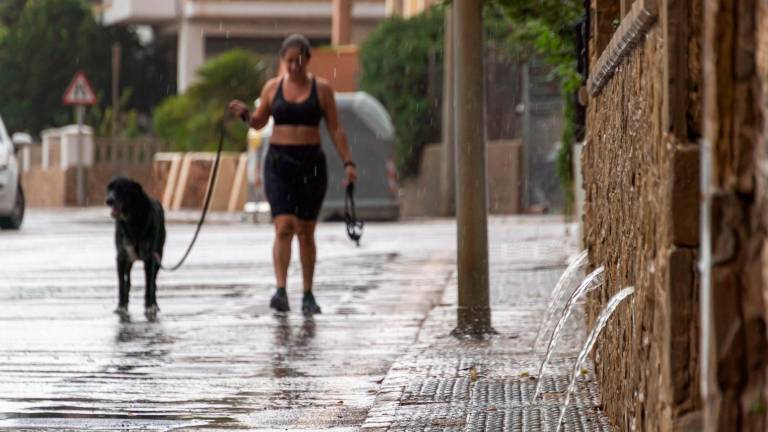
pixel 537 419
pixel 498 393
pixel 430 417
pixel 518 392
pixel 437 390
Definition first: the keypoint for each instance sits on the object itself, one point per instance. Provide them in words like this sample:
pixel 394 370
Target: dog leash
pixel 206 203
pixel 354 226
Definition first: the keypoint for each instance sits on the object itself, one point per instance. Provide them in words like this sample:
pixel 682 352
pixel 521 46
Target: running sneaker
pixel 279 301
pixel 309 305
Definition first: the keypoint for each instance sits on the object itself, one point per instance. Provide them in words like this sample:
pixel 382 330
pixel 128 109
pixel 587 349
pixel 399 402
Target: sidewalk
pixel 447 384
pixel 99 214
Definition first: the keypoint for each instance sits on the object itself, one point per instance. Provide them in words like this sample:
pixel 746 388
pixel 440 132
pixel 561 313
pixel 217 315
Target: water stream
pixel 592 281
pixel 562 288
pixel 602 320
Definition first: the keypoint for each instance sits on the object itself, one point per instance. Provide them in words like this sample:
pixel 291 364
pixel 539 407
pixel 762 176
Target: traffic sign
pixel 79 91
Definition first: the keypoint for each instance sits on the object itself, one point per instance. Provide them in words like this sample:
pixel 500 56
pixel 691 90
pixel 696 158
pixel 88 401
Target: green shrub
pixel 401 65
pixel 395 68
pixel 190 121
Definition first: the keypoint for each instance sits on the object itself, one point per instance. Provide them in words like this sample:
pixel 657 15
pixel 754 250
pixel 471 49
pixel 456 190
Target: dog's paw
pixel 121 310
pixel 151 310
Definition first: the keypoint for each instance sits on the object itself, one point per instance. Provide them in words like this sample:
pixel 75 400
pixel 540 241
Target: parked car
pixel 371 137
pixel 11 193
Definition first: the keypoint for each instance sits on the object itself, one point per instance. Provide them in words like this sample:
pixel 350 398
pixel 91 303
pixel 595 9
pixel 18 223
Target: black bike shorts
pixel 295 180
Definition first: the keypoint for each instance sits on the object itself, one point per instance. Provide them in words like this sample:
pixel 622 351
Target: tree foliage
pixel 46 41
pixel 10 11
pixel 395 63
pixel 549 28
pixel 395 68
pixel 190 121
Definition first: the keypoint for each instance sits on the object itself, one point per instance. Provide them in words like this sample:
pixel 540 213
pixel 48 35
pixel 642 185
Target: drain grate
pixel 518 391
pixel 498 393
pixel 429 418
pixel 437 390
pixel 537 419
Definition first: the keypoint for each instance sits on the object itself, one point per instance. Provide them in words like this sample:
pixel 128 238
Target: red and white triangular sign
pixel 79 91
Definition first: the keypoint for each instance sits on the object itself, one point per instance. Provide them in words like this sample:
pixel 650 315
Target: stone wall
pixel 736 365
pixel 640 178
pixel 701 72
pixel 624 228
pixel 504 170
pixel 99 175
pixel 56 187
pixel 44 187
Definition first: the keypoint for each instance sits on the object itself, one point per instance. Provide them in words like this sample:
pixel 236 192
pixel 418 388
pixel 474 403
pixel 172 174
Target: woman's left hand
pixel 351 175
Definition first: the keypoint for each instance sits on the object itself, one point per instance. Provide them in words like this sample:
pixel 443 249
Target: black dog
pixel 139 235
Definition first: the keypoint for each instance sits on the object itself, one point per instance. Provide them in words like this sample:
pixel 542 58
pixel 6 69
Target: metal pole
pixel 708 364
pixel 474 313
pixel 80 179
pixel 527 148
pixel 115 89
pixel 448 167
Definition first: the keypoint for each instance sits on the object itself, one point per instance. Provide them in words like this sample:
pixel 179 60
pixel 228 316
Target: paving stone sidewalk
pixel 446 384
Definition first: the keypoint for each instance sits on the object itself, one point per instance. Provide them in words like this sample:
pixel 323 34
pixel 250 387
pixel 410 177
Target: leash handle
pixel 354 226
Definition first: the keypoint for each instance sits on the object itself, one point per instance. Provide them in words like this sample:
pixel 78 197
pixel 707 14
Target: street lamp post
pixel 448 166
pixel 474 312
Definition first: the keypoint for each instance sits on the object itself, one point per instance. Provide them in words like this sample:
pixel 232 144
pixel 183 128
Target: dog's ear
pixel 135 191
pixel 116 182
pixel 135 187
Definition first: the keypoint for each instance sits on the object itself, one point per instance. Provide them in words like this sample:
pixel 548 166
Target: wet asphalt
pixel 216 357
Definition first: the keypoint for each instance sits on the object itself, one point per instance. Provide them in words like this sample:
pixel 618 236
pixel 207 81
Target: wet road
pixel 215 357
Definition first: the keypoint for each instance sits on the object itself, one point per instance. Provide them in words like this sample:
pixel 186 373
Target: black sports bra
pixel 307 113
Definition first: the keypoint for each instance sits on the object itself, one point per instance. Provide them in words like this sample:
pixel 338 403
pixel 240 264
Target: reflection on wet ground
pixel 295 345
pixel 215 356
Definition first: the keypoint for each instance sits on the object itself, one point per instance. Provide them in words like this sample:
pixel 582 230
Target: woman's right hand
pixel 238 109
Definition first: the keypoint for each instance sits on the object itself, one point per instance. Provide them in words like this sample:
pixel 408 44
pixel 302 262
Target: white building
pixel 204 28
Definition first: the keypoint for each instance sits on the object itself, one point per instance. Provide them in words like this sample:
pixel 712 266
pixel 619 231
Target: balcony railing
pixel 153 11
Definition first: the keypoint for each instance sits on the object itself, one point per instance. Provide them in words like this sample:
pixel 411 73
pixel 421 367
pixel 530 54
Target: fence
pixel 116 152
pixel 48 170
pixel 126 151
